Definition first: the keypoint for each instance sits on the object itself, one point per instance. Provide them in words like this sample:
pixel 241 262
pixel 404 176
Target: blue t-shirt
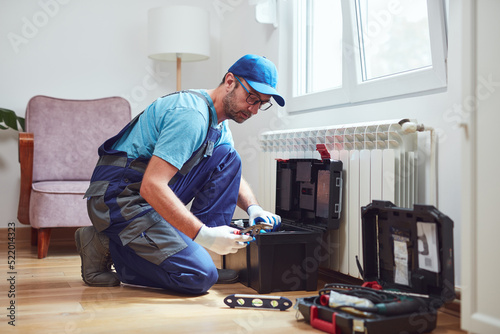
pixel 172 128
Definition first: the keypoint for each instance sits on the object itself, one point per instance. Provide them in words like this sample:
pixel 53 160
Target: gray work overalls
pixel 147 250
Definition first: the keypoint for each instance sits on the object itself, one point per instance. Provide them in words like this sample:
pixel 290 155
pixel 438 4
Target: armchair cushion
pixel 58 204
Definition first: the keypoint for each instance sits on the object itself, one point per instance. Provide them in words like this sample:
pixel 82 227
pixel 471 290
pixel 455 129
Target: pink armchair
pixel 57 155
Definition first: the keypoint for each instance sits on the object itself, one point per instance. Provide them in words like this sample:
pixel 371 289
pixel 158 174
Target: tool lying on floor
pixel 363 301
pixel 258 301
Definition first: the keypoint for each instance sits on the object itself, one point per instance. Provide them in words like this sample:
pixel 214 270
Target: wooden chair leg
pixel 34 236
pixel 43 242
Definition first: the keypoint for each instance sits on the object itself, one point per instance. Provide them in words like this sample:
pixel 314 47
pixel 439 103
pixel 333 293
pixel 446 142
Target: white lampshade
pixel 178 31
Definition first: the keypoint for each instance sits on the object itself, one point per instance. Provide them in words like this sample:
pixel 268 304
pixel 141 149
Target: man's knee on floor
pixel 198 283
pixel 205 285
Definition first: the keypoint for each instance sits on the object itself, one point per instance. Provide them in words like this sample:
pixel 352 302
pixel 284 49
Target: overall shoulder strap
pixel 205 149
pixel 204 99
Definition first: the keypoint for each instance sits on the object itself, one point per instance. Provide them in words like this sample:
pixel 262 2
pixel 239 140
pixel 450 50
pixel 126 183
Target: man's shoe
pixel 227 276
pixel 93 248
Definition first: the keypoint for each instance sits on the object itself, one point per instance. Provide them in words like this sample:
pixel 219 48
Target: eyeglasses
pixel 253 99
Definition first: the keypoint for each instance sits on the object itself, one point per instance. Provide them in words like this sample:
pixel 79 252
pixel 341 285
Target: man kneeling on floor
pixel 180 149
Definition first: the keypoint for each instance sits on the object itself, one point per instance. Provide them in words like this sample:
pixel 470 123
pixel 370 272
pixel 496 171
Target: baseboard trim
pixel 23 234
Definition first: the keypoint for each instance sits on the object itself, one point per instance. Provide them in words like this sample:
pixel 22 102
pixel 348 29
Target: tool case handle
pixel 322 325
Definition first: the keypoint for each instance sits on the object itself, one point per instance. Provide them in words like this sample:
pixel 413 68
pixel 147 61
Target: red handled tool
pixel 254 229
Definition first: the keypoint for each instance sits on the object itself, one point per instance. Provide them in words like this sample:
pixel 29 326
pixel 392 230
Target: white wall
pixel 83 49
pixel 479 310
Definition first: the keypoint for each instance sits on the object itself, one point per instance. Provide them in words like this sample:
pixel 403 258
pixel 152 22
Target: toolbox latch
pixel 358 326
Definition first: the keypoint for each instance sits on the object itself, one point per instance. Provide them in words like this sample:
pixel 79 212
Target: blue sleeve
pixel 181 132
pixel 172 128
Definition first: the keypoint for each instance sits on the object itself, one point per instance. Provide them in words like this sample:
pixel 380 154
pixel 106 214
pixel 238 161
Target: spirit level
pixel 258 301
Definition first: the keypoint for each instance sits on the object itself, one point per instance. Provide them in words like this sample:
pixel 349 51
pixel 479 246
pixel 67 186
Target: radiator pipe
pixel 408 126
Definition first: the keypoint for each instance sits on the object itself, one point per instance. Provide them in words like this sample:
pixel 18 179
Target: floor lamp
pixel 178 33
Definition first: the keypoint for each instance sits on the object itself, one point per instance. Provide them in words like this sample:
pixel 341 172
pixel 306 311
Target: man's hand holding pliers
pixel 257 215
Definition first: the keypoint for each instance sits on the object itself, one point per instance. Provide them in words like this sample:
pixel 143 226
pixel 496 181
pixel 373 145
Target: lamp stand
pixel 179 72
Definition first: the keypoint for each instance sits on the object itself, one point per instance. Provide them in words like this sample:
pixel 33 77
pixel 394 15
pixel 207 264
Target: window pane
pixel 393 36
pixel 318 37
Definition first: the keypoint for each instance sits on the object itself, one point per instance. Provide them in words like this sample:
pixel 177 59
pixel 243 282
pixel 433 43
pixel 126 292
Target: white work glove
pixel 260 216
pixel 221 239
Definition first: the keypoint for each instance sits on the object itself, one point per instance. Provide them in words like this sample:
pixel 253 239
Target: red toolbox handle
pixel 322 325
pixel 323 151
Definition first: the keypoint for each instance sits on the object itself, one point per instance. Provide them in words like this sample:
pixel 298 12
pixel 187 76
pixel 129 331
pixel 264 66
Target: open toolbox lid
pixel 309 192
pixel 409 250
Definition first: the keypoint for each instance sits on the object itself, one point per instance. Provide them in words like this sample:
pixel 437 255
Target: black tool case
pixel 308 194
pixel 408 252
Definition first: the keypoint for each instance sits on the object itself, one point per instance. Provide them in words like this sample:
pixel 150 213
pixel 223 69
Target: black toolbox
pixel 308 195
pixel 406 253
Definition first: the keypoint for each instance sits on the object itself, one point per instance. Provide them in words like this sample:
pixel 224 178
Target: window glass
pixel 342 52
pixel 393 37
pixel 318 36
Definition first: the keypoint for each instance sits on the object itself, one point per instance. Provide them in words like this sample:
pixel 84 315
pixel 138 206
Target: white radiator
pixel 379 163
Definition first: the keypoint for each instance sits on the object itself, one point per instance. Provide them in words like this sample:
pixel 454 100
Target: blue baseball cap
pixel 260 73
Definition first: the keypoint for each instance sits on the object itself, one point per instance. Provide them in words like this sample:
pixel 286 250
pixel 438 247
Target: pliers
pixel 254 229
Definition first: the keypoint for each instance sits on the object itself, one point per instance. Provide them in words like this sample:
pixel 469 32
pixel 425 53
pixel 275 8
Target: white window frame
pixel 353 90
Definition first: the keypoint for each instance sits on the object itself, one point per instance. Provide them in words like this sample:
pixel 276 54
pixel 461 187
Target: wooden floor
pixel 50 297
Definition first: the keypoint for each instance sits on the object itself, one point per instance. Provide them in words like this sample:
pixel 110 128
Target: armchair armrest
pixel 26 148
